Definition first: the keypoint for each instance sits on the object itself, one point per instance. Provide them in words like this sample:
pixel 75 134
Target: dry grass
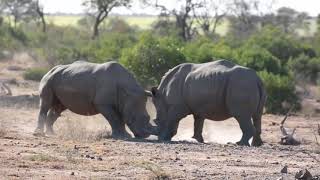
pixel 157 171
pixel 42 158
pixel 76 130
pixel 3 131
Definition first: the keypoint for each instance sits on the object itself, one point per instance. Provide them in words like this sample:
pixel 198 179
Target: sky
pixel 312 7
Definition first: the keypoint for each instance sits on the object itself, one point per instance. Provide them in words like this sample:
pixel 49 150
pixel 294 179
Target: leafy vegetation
pixel 35 74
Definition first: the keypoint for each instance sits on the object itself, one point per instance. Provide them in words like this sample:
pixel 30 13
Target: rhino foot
pixel 121 135
pixel 256 141
pixel 242 143
pixel 39 133
pixel 50 133
pixel 198 138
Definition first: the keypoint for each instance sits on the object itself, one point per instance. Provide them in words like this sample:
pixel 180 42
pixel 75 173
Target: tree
pixel 100 9
pixel 248 15
pixel 210 14
pixel 289 19
pixel 183 15
pixel 40 13
pixel 18 9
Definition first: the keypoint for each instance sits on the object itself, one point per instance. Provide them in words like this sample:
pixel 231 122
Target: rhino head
pixel 136 116
pixel 166 130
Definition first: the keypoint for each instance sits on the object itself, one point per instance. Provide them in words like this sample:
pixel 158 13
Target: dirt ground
pixel 83 149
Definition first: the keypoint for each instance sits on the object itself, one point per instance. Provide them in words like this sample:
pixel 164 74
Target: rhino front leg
pixel 170 128
pixel 117 124
pixel 247 130
pixel 198 127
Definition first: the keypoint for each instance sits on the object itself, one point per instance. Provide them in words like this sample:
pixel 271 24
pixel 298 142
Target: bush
pixel 306 68
pixel 150 58
pixel 205 50
pixel 35 74
pixel 109 46
pixel 280 90
pixel 259 59
pixel 279 44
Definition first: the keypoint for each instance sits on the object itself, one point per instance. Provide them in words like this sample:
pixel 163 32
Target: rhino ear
pixel 154 91
pixel 148 93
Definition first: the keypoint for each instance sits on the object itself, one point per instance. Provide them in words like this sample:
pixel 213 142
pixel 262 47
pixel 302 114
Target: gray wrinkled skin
pixel 89 89
pixel 216 91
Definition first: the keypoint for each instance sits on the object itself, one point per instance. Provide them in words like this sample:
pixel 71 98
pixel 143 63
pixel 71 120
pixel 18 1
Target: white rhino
pixel 88 89
pixel 216 91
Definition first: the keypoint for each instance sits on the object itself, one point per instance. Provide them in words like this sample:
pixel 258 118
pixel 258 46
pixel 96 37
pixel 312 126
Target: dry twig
pixel 287 139
pixel 6 89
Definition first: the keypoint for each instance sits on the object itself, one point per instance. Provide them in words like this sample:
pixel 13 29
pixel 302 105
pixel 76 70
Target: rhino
pixel 89 89
pixel 216 91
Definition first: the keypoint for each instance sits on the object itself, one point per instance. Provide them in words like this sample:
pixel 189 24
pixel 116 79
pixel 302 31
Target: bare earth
pixel 83 149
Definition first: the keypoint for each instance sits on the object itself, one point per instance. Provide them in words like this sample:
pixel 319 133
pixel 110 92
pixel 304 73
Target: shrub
pixel 279 44
pixel 35 74
pixel 259 59
pixel 306 68
pixel 150 58
pixel 109 46
pixel 205 50
pixel 280 89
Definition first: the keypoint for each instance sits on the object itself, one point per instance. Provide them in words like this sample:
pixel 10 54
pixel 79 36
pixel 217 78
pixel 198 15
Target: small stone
pixel 87 156
pixel 177 159
pixel 92 157
pixel 99 158
pixel 238 160
pixel 284 169
pixel 72 173
pixel 275 162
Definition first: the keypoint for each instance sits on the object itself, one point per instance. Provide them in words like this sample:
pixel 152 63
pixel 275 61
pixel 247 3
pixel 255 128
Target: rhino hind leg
pixel 257 141
pixel 44 108
pixel 117 124
pixel 247 130
pixel 53 115
pixel 198 127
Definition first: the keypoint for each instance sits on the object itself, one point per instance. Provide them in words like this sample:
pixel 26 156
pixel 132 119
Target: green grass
pixel 142 22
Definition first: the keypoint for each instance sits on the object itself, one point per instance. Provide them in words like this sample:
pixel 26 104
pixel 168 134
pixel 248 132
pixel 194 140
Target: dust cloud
pixel 220 132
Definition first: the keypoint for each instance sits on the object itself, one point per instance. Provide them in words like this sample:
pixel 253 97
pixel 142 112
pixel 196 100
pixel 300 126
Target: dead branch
pixel 315 134
pixel 287 139
pixel 6 89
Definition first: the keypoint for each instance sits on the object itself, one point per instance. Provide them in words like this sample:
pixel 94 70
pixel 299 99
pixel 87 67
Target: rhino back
pixel 79 86
pixel 216 90
pixel 172 83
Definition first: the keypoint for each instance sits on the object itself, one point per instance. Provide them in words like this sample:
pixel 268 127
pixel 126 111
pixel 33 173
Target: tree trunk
pixel 96 29
pixel 44 25
pixel 99 19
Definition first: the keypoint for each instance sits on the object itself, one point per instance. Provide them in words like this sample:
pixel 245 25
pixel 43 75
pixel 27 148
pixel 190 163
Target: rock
pixel 72 173
pixel 99 158
pixel 284 169
pixel 303 175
